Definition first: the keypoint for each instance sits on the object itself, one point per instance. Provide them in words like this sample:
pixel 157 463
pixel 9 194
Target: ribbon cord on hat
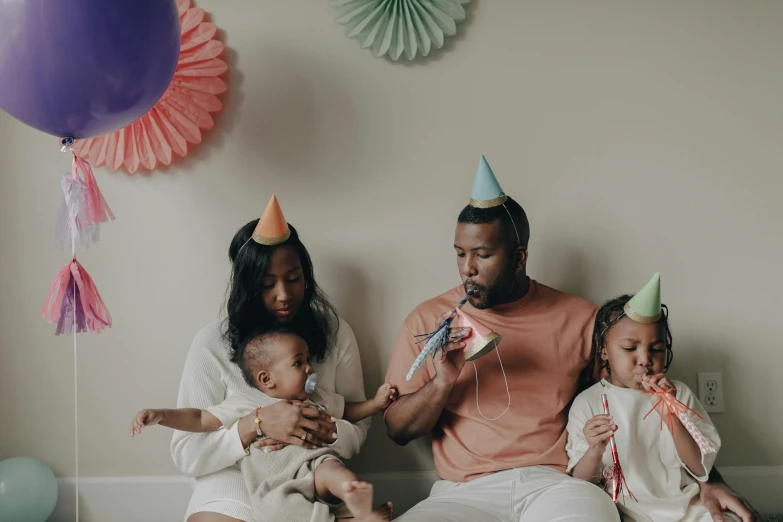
pixel 505 380
pixel 513 224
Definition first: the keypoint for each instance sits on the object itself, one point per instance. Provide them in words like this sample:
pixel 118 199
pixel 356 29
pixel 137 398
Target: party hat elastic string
pixel 505 380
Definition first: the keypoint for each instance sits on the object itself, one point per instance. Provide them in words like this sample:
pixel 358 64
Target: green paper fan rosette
pixel 397 28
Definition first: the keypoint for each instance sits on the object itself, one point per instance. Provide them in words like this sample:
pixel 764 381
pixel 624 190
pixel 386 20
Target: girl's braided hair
pixel 608 315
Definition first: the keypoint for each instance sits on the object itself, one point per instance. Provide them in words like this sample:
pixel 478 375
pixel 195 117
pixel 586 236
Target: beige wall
pixel 639 136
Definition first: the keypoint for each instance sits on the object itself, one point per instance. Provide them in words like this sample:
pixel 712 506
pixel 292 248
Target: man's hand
pixel 416 414
pixel 450 364
pixel 718 497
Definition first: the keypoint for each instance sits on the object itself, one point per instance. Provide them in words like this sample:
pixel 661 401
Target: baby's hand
pixel 598 431
pixel 145 418
pixel 386 394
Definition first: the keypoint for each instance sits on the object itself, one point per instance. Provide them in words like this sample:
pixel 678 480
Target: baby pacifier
pixel 311 383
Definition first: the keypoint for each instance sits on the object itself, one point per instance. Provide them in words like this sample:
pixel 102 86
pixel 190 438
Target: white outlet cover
pixel 711 392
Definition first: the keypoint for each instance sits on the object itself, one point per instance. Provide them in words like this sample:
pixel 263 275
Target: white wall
pixel 639 136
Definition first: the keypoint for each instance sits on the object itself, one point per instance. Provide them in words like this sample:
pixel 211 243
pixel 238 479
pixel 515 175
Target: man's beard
pixel 496 292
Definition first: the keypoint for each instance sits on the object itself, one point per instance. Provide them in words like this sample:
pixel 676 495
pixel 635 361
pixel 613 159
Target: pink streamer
pixel 615 478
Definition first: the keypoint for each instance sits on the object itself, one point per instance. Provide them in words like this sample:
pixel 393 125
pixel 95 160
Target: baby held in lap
pixel 289 481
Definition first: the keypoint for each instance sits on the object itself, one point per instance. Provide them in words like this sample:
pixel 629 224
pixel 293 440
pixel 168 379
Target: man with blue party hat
pixel 491 211
pixel 498 422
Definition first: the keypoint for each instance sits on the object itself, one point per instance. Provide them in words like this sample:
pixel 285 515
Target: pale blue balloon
pixel 28 490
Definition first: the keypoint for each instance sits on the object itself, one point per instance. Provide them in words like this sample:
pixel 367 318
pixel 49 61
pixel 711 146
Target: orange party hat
pixel 272 228
pixel 481 339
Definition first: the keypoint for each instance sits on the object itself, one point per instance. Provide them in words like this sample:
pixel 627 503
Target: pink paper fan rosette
pixel 184 111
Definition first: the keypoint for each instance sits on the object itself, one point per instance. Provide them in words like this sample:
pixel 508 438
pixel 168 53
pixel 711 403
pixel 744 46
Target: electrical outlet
pixel 711 392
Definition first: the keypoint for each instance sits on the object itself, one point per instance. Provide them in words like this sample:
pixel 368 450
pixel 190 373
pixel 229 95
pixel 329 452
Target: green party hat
pixel 645 306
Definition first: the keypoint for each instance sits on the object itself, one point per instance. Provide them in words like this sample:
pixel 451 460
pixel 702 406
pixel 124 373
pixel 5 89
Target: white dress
pixel 208 379
pixel 667 491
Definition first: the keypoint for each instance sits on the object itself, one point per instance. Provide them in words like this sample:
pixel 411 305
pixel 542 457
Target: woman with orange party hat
pixel 272 285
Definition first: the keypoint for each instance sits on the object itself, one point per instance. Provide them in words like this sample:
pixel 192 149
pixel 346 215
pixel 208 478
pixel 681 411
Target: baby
pixel 293 483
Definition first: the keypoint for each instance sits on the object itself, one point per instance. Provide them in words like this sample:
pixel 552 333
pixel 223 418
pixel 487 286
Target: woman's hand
pixel 319 427
pixel 290 422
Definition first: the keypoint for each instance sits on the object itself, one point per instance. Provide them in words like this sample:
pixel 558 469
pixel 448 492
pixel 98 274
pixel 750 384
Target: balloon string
pixel 67 143
pixel 76 411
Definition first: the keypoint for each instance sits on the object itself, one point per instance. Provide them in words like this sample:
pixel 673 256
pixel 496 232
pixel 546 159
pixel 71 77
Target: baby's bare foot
pixel 358 500
pixel 384 511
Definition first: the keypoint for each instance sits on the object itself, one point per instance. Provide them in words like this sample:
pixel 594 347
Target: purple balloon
pixel 85 68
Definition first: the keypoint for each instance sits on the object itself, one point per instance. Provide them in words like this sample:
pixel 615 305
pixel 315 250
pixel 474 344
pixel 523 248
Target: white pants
pixel 529 494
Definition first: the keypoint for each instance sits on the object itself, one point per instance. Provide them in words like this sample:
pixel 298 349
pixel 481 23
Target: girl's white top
pixel 666 489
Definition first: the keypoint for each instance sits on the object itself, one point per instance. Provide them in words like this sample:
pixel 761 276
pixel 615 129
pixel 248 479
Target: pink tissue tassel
pixel 82 208
pixel 74 302
pixel 96 208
